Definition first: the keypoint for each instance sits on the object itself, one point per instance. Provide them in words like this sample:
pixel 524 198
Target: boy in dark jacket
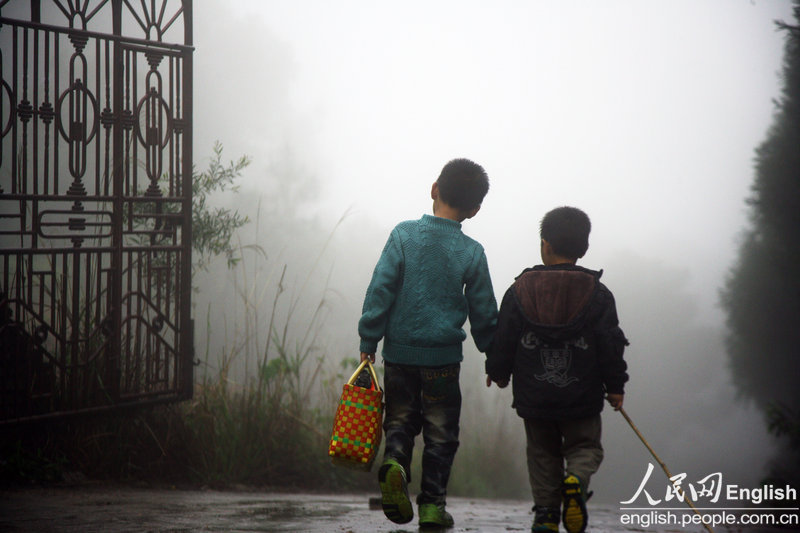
pixel 558 335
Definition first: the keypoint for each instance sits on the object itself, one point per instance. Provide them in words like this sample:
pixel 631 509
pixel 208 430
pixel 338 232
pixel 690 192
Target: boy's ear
pixel 435 191
pixel 546 249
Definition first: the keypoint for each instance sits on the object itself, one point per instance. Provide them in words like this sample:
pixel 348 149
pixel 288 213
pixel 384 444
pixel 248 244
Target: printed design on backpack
pixel 556 362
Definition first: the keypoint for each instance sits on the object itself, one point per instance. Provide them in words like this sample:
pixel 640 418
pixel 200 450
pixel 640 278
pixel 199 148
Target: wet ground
pixel 132 510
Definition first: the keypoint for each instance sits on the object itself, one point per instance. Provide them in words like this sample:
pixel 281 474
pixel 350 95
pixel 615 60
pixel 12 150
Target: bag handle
pixel 368 364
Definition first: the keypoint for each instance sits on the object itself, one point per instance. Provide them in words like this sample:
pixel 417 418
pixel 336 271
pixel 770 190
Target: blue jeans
pixel 427 400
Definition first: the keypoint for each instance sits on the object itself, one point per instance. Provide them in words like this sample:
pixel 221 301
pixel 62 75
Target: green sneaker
pixel 545 520
pixel 394 492
pixel 574 513
pixel 434 515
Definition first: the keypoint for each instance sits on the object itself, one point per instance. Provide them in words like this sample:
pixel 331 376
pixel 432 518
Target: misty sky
pixel 644 114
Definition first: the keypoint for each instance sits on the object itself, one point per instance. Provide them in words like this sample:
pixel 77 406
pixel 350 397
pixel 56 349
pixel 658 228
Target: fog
pixel 644 114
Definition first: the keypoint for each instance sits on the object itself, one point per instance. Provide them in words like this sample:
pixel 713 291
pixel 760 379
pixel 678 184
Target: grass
pixel 261 413
pixel 224 437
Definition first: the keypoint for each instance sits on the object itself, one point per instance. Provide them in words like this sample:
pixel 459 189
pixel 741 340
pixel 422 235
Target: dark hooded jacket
pixel 559 336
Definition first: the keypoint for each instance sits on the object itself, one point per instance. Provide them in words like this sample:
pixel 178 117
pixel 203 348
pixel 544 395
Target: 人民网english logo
pixel 708 501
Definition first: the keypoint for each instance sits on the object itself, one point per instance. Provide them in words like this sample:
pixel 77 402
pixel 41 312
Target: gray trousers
pixel 551 444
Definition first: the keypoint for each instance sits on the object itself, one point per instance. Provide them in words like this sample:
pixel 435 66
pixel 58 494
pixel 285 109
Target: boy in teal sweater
pixel 429 279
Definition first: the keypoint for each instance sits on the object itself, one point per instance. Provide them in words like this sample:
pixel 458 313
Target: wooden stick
pixel 663 467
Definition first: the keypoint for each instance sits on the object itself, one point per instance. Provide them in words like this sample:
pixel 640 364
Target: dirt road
pixel 100 509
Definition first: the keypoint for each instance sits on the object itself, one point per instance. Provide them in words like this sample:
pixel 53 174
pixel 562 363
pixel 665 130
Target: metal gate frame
pixel 95 205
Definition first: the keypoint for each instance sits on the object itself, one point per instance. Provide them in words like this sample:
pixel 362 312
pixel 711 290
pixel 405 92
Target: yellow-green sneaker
pixel 434 515
pixel 394 492
pixel 574 515
pixel 545 520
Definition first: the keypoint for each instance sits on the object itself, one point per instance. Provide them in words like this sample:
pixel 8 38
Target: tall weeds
pixel 259 415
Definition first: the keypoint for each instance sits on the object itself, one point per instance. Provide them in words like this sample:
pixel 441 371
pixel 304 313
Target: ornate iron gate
pixel 95 205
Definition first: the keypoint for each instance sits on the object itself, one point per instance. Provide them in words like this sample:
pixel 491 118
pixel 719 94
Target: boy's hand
pixel 365 356
pixel 502 384
pixel 615 400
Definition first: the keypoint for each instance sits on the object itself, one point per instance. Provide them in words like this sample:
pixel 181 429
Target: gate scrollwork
pixel 95 205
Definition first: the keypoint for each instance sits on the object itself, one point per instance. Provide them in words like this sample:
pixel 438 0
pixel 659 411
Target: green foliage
pixel 213 228
pixel 783 421
pixel 227 435
pixel 240 437
pixel 761 292
pixel 272 426
pixel 760 295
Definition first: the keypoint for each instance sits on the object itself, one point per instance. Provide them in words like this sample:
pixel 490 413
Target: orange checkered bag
pixel 356 433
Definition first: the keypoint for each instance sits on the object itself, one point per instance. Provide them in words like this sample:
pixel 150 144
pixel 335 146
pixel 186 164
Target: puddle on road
pixel 284 511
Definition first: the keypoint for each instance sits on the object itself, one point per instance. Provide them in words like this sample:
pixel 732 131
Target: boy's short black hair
pixel 567 230
pixel 463 184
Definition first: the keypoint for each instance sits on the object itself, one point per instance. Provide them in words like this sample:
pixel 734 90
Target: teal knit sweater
pixel 429 279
